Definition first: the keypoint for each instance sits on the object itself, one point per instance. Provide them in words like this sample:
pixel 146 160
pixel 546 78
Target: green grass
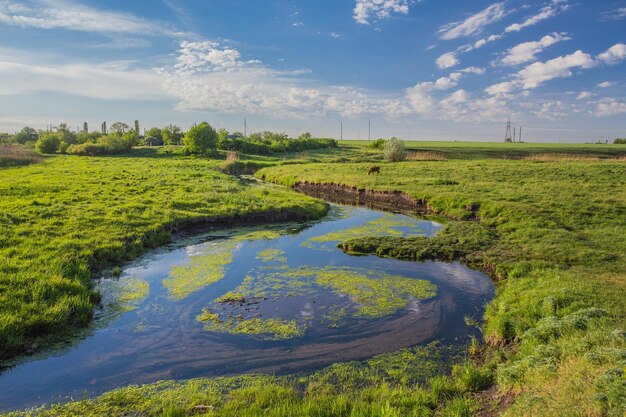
pixel 403 383
pixel 67 218
pixel 554 234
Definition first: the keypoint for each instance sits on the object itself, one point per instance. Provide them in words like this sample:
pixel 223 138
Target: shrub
pixel 200 139
pixel 378 143
pixel 394 150
pixel 48 143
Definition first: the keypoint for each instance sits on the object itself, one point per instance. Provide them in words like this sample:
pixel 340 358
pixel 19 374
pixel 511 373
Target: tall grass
pixel 12 155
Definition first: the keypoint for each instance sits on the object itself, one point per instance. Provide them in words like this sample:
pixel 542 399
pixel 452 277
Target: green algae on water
pixel 367 295
pixel 267 329
pixel 375 297
pixel 386 225
pixel 209 266
pixel 271 255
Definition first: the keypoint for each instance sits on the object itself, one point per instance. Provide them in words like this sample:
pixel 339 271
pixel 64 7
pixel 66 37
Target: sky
pixel 414 69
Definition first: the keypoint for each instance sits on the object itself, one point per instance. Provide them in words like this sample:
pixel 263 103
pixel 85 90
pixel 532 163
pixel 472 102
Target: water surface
pixel 294 302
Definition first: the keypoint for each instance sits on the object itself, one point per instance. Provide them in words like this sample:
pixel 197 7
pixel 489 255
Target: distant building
pixel 152 141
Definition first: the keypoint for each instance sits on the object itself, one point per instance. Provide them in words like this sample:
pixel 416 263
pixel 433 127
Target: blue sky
pixel 431 69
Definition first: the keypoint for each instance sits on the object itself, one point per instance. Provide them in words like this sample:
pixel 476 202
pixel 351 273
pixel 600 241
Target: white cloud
pixel 501 88
pixel 473 70
pixel 614 55
pixel 447 60
pixel 616 14
pixel 605 84
pixel 583 95
pixel 335 35
pixel 211 77
pixel 527 51
pixel 105 81
pixel 367 10
pixel 59 14
pixel 473 24
pixel 538 73
pixel 554 8
pixel 609 107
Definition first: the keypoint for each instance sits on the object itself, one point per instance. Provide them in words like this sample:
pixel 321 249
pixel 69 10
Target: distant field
pixel 469 150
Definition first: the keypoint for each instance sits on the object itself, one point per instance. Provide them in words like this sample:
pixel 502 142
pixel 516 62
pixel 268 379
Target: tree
pixel 119 128
pixel 104 128
pixel 27 134
pixel 130 139
pixel 137 126
pixel 172 134
pixel 394 150
pixel 48 142
pixel 305 135
pixel 619 141
pixel 66 135
pixel 200 139
pixel 85 127
pixel 155 132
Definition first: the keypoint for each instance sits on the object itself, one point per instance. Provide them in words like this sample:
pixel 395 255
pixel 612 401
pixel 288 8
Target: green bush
pixel 377 144
pixel 48 143
pixel 200 139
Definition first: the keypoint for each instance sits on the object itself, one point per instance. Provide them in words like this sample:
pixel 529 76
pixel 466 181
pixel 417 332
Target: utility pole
pixel 520 135
pixel 245 127
pixel 514 128
pixel 369 128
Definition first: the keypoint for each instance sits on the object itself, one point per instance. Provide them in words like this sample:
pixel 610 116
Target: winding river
pixel 273 299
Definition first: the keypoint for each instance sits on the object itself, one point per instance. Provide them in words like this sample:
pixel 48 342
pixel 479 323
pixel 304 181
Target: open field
pixel 552 233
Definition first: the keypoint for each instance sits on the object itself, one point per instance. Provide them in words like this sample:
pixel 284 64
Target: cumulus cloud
pixel 210 77
pixel 538 73
pixel 605 84
pixel 614 55
pixel 60 14
pixel 609 107
pixel 447 60
pixel 583 95
pixel 367 10
pixel 473 24
pixel 554 8
pixel 527 51
pixel 473 70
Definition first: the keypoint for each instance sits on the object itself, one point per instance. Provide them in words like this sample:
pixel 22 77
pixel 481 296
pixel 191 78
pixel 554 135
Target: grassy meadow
pixel 548 222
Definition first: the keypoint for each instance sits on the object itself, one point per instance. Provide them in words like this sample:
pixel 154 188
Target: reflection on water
pixel 273 299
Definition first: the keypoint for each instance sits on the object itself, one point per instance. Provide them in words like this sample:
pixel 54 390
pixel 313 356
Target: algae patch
pixel 339 296
pixel 267 329
pixel 208 266
pixel 271 255
pixel 385 225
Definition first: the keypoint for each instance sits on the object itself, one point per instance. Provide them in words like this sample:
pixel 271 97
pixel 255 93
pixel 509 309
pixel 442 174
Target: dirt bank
pixel 395 201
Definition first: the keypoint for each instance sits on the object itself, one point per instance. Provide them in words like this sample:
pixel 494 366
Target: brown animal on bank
pixel 373 170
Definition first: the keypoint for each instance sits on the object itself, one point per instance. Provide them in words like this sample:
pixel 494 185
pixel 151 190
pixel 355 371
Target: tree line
pixel 201 139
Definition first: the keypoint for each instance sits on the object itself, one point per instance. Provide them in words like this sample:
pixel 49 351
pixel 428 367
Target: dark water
pixel 161 337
